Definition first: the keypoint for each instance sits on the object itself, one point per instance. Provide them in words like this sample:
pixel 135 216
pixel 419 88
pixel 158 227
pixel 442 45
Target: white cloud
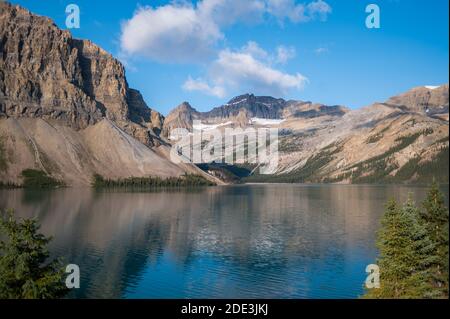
pixel 171 33
pixel 318 9
pixel 227 12
pixel 240 68
pixel 284 54
pixel 202 86
pixel 252 48
pixel 247 69
pixel 183 32
pixel 296 13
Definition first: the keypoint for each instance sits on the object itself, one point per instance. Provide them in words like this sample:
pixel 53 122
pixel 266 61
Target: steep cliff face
pixel 46 73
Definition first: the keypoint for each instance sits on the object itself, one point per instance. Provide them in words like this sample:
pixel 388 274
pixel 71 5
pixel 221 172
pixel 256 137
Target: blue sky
pixel 208 51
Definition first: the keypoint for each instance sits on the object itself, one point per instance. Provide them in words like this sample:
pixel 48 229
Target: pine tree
pixel 435 216
pixel 405 254
pixel 390 246
pixel 423 255
pixel 25 271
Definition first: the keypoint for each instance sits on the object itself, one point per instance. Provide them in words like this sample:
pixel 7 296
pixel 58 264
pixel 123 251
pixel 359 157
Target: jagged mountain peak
pixel 185 106
pixel 180 117
pixel 256 106
pixel 46 73
pixel 251 98
pixel 241 98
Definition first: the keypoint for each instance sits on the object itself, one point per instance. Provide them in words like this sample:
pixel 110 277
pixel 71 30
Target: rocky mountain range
pixel 242 109
pixel 404 139
pixel 66 109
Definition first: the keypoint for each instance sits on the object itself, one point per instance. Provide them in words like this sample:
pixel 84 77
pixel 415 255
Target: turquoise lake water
pixel 243 241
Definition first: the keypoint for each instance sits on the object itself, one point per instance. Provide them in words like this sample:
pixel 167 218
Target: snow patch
pixel 206 127
pixel 431 87
pixel 235 103
pixel 266 104
pixel 262 121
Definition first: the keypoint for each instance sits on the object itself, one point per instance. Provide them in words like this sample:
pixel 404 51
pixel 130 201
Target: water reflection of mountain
pixel 278 234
